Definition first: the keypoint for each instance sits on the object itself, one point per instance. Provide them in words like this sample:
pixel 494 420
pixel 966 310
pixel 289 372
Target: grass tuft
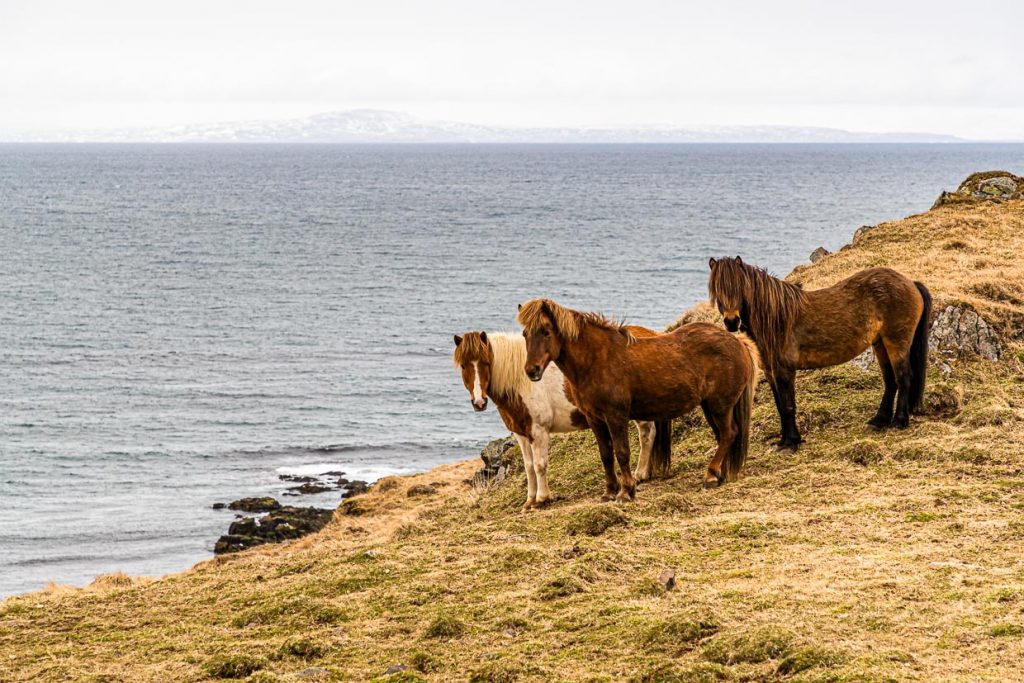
pixel 752 647
pixel 445 626
pixel 233 665
pixel 594 521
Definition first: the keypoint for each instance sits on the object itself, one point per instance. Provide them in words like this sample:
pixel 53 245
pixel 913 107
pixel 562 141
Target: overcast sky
pixel 927 66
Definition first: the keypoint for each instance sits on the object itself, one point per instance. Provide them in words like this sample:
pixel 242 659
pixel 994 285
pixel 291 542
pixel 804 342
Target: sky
pixel 935 66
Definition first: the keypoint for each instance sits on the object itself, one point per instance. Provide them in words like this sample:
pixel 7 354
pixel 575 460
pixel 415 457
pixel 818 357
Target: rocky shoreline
pixel 283 522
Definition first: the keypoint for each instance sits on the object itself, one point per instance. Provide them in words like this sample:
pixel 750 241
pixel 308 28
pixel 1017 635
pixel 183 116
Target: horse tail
pixel 661 453
pixel 741 415
pixel 919 352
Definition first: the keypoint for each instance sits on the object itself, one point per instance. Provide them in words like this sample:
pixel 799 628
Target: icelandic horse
pixel 617 376
pixel 492 367
pixel 797 329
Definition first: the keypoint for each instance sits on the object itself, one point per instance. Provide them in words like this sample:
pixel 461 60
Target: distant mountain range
pixel 371 125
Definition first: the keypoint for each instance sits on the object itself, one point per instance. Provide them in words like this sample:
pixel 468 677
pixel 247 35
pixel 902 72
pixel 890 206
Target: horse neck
pixel 771 331
pixel 508 367
pixel 577 356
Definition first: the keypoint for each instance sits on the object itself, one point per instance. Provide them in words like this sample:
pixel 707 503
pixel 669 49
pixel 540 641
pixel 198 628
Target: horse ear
pixel 712 263
pixel 739 260
pixel 483 337
pixel 458 340
pixel 520 307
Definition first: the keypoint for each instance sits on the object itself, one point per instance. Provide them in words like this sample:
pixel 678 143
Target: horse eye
pixel 545 333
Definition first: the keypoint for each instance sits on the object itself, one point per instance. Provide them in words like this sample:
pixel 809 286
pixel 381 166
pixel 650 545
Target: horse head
pixel 543 336
pixel 726 289
pixel 473 356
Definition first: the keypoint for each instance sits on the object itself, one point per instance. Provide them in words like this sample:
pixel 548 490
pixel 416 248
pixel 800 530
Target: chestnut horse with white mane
pixel 617 376
pixel 796 329
pixel 492 366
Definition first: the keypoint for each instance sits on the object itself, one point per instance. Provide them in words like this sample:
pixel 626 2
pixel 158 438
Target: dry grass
pixel 863 557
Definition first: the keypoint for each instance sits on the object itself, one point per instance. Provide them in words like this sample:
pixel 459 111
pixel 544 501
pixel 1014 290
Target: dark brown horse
pixel 797 330
pixel 616 377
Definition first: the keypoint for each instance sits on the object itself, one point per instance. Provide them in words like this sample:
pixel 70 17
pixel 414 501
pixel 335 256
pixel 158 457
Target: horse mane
pixel 772 304
pixel 508 360
pixel 508 374
pixel 568 321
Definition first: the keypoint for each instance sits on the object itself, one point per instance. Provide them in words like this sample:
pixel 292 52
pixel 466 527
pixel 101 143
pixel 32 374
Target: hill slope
pixel 864 557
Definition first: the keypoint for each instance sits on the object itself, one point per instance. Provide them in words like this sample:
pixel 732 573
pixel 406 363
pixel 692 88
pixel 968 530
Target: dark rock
pixel 818 254
pixel 420 490
pixel 667 578
pixel 355 488
pixel 496 456
pixel 264 504
pixel 396 668
pixel 299 479
pixel 280 525
pixel 333 473
pixel 219 506
pixel 342 482
pixel 307 488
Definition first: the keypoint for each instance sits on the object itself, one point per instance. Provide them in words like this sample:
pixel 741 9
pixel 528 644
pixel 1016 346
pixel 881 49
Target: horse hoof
pixel 901 422
pixel 541 503
pixel 879 422
pixel 624 497
pixel 608 497
pixel 785 445
pixel 712 483
pixel 641 476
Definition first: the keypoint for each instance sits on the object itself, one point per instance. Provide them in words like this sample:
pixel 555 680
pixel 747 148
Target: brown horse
pixel 491 366
pixel 797 330
pixel 616 376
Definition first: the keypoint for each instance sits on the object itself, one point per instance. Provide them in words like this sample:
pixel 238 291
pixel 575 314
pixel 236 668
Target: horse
pixel 796 329
pixel 492 366
pixel 617 376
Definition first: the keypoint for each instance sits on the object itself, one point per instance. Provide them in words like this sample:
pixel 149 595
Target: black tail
pixel 919 352
pixel 661 453
pixel 741 415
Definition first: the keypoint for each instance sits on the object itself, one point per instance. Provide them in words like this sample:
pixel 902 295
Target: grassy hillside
pixel 866 556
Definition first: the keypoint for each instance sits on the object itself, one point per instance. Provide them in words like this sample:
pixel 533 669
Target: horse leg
pixel 904 378
pixel 778 407
pixel 710 417
pixel 540 465
pixel 643 465
pixel 604 446
pixel 726 432
pixel 785 380
pixel 531 477
pixel 619 431
pixel 883 418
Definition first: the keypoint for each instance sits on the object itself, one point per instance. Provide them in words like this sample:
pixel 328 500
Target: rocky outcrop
pixel 282 524
pixel 992 186
pixel 818 254
pixel 497 458
pixel 959 331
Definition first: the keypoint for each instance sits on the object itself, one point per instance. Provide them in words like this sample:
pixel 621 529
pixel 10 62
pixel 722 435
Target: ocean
pixel 182 324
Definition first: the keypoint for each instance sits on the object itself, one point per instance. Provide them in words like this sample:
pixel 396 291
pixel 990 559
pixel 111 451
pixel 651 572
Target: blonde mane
pixel 508 360
pixel 566 320
pixel 508 369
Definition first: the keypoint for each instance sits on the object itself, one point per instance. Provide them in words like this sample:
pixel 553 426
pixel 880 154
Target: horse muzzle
pixel 732 324
pixel 535 373
pixel 480 405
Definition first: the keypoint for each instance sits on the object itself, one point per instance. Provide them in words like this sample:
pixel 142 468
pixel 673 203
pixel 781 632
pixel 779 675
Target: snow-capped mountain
pixel 371 125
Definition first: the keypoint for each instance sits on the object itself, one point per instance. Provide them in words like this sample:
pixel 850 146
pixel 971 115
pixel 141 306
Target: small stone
pixel 667 578
pixel 219 506
pixel 818 254
pixel 312 672
pixel 395 668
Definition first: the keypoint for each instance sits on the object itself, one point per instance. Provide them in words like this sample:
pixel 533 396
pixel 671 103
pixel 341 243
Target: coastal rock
pixel 861 232
pixel 282 524
pixel 420 490
pixel 818 254
pixel 667 578
pixel 307 488
pixel 959 331
pixel 496 457
pixel 993 186
pixel 263 504
pixel 355 488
